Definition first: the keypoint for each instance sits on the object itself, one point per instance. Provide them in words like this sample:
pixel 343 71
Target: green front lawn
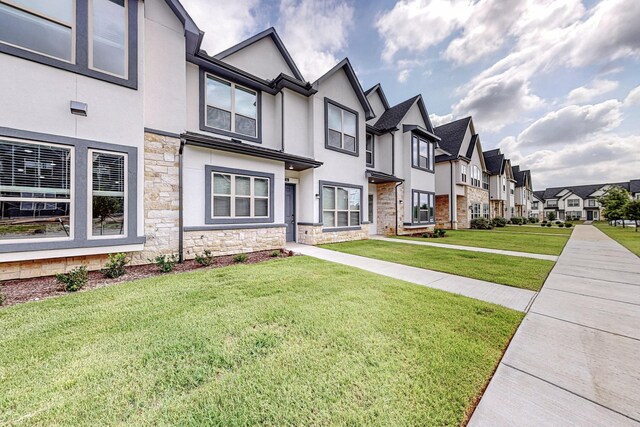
pixel 627 237
pixel 526 273
pixel 520 242
pixel 534 228
pixel 294 341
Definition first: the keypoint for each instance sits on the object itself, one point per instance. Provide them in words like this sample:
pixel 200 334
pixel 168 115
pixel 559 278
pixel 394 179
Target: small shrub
pixel 166 263
pixel 568 225
pixel 115 266
pixel 3 298
pixel 542 224
pixel 516 220
pixel 533 220
pixel 442 232
pixel 75 279
pixel 548 224
pixel 240 258
pixel 499 221
pixel 426 235
pixel 275 254
pixel 205 258
pixel 560 225
pixel 481 224
pixel 558 222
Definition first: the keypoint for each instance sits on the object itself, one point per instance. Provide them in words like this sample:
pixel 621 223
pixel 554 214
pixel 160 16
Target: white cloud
pixel 403 75
pixel 584 94
pixel 315 32
pixel 437 120
pixel 416 25
pixel 633 97
pixel 240 22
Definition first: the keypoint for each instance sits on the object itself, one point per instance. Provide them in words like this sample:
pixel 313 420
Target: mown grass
pixel 526 273
pixel 294 341
pixel 627 237
pixel 520 242
pixel 534 228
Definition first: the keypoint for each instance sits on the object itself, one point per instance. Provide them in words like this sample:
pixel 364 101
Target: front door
pixel 290 211
pixel 589 215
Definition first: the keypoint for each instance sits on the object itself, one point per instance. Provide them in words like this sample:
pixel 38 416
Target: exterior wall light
pixel 79 108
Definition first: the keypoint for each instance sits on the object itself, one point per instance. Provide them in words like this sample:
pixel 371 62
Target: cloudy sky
pixel 554 83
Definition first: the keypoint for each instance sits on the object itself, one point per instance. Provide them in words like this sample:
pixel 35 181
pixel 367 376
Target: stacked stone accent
pixel 497 208
pixel 442 212
pixel 386 208
pixel 227 242
pixel 48 267
pixel 313 235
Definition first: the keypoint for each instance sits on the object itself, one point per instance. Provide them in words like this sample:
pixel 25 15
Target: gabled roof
pixel 634 186
pixel 582 191
pixel 521 177
pixel 472 146
pixel 452 135
pixel 193 34
pixel 495 161
pixel 539 195
pixel 383 97
pixel 355 83
pixel 392 117
pixel 270 32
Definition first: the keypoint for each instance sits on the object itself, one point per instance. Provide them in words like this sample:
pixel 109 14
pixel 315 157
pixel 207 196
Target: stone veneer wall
pixel 473 195
pixel 48 267
pixel 497 208
pixel 385 209
pixel 227 242
pixel 313 235
pixel 442 212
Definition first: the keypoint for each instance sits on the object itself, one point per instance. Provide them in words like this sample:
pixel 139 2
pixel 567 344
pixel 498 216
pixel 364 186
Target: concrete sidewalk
pixel 467 248
pixel 507 296
pixel 575 360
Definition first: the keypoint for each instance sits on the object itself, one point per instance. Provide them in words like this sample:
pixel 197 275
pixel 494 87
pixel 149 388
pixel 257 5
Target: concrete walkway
pixel 575 360
pixel 507 296
pixel 467 248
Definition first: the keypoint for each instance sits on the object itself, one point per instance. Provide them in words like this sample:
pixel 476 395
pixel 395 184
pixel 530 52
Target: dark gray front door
pixel 589 215
pixel 290 211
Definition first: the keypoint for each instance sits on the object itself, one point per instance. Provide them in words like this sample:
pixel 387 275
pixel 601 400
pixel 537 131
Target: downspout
pixel 451 196
pixel 183 142
pixel 393 154
pixel 282 119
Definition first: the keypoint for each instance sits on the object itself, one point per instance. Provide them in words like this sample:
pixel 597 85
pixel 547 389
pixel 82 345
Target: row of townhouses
pixel 118 133
pixel 579 202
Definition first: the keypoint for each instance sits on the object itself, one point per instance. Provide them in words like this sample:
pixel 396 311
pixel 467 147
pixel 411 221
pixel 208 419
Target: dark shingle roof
pixel 451 135
pixel 494 160
pixel 518 175
pixel 472 145
pixel 394 115
pixel 494 152
pixel 583 191
pixel 539 195
pixel 634 185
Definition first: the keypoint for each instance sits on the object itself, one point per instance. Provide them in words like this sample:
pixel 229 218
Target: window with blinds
pixel 340 206
pixel 108 179
pixel 35 190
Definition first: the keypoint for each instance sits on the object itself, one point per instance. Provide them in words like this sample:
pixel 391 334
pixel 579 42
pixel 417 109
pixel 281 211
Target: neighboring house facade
pixel 462 179
pixel 537 205
pixel 501 182
pixel 132 148
pixel 401 148
pixel 523 193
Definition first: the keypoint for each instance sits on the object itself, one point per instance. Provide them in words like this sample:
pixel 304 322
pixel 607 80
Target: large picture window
pixel 341 206
pixel 342 128
pixel 230 107
pixel 422 157
pixel 423 207
pixel 35 191
pixel 108 201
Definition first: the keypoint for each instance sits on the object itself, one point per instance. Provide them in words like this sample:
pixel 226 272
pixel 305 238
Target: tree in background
pixel 614 202
pixel 632 211
pixel 551 216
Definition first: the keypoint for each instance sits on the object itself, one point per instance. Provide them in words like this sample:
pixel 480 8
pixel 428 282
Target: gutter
pixel 452 185
pixel 183 142
pixel 396 194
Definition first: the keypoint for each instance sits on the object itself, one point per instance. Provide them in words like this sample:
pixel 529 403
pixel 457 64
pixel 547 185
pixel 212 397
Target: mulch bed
pixel 38 288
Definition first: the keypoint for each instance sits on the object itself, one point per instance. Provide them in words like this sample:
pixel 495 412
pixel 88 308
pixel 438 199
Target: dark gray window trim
pixel 208 219
pixel 339 184
pixel 81 65
pixel 202 114
pixel 328 101
pixel 310 224
pixel 413 153
pixel 431 221
pixel 232 227
pixel 80 201
pixel 373 150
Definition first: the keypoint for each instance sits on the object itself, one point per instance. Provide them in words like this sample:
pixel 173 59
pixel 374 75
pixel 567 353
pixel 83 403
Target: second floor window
pixel 534 205
pixel 369 150
pixel 475 176
pixel 573 203
pixel 107 51
pixel 592 203
pixel 422 153
pixel 463 171
pixel 485 181
pixel 342 128
pixel 230 107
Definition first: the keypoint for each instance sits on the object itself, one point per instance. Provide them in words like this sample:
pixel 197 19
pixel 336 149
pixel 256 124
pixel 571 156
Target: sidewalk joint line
pixel 593 296
pixel 585 326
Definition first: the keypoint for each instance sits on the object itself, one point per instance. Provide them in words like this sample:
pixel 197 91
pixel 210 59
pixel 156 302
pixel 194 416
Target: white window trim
pixel 233 113
pixel 90 41
pixel 232 195
pixel 71 199
pixel 335 210
pixel 71 25
pixel 125 227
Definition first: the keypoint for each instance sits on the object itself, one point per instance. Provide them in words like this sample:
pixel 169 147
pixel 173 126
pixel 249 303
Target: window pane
pixel 221 206
pixel 328 198
pixel 343 219
pixel 343 199
pixel 349 123
pixel 328 219
pixel 424 201
pixel 243 186
pixel 261 187
pixel 108 173
pixel 334 118
pixel 61 10
pixel 334 139
pixel 218 93
pixel 423 216
pixel 349 143
pixel 109 36
pixel 219 119
pixel 245 126
pixel 354 199
pixel 243 206
pixel 108 204
pixel 221 184
pixel 369 158
pixel 369 142
pixel 261 207
pixel 414 146
pixel 107 217
pixel 432 207
pixel 371 214
pixel 31 32
pixel 246 103
pixel 354 219
pixel 34 220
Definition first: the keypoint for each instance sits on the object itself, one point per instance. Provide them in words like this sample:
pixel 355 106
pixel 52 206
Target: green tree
pixel 614 202
pixel 551 216
pixel 632 211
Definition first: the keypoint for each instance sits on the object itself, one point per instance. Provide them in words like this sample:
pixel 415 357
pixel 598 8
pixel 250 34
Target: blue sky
pixel 554 83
